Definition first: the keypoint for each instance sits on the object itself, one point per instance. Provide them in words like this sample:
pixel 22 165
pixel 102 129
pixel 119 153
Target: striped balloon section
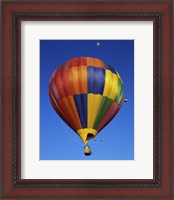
pixel 86 93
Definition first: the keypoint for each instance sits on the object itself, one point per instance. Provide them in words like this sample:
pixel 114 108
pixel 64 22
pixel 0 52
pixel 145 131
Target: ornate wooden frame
pixel 161 185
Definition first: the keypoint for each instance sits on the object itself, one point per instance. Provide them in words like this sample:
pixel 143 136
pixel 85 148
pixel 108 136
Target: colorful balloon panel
pixel 86 93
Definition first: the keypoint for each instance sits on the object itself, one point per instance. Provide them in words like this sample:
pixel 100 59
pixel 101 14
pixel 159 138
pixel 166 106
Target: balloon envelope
pixel 86 93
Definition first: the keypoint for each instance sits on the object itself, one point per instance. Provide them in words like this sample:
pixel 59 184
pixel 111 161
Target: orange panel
pixel 95 62
pixel 69 107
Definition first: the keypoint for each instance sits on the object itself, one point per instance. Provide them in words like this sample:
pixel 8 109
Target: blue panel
pixel 109 67
pixel 96 80
pixel 81 105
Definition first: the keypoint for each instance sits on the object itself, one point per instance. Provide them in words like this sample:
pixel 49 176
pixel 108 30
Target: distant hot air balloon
pixel 86 93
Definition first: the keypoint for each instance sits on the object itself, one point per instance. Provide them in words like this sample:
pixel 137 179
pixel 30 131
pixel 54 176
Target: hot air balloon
pixel 86 93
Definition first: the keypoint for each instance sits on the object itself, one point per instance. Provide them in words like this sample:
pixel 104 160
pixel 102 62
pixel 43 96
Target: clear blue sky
pixel 57 140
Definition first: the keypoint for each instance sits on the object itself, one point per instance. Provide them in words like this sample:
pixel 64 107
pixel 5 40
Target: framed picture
pixel 87 100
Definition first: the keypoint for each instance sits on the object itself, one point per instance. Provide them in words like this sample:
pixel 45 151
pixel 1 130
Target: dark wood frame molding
pixel 161 185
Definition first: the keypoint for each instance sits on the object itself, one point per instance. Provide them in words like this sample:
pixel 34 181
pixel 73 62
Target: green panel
pixel 119 94
pixel 104 107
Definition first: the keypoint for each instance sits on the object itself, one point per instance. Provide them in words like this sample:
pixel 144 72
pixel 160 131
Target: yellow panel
pixel 111 84
pixel 84 132
pixel 114 86
pixel 93 106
